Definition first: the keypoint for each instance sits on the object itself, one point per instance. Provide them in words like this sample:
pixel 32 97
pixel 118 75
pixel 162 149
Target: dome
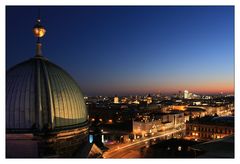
pixel 40 95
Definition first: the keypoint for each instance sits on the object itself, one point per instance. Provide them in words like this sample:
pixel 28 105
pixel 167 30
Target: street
pixel 132 149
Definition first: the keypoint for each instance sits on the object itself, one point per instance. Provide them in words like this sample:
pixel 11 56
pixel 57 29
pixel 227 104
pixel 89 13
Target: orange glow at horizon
pixel 170 87
pixel 211 88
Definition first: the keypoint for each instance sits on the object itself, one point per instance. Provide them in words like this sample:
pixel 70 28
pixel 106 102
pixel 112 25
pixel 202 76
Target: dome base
pixel 63 143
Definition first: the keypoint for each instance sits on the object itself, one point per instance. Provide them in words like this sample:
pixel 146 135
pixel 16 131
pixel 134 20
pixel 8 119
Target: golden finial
pixel 38 30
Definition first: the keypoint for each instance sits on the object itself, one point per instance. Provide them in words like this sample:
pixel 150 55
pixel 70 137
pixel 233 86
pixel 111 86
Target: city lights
pixel 132 90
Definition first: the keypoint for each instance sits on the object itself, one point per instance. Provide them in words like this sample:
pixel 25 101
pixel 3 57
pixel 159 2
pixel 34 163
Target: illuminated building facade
pixel 185 94
pixel 194 112
pixel 151 124
pixel 179 107
pixel 223 110
pixel 215 128
pixel 136 102
pixel 115 99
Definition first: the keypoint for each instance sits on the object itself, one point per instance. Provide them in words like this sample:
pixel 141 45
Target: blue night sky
pixel 131 50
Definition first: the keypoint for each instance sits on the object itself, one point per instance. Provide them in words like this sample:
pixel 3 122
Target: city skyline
pixel 132 50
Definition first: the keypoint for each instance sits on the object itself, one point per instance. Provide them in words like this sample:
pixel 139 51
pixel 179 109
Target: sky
pixel 131 50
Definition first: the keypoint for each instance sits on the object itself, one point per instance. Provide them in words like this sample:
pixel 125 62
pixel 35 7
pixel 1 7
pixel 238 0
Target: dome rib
pixel 55 99
pixel 49 96
pixel 38 105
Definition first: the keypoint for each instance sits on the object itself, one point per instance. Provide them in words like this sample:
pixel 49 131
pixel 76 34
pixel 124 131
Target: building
pixel 220 148
pixel 149 99
pixel 194 111
pixel 136 102
pixel 124 100
pixel 185 94
pixel 179 107
pixel 115 99
pixel 150 124
pixel 46 114
pixel 210 128
pixel 222 110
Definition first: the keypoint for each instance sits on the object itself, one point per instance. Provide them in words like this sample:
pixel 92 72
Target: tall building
pixel 46 114
pixel 115 99
pixel 185 94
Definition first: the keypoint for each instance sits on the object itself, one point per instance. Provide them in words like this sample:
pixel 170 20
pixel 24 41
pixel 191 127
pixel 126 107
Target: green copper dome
pixel 40 95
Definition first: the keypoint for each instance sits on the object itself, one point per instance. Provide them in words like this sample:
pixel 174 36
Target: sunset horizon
pixel 129 50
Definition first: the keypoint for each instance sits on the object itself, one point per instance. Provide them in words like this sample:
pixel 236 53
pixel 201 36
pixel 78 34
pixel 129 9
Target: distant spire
pixel 38 31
